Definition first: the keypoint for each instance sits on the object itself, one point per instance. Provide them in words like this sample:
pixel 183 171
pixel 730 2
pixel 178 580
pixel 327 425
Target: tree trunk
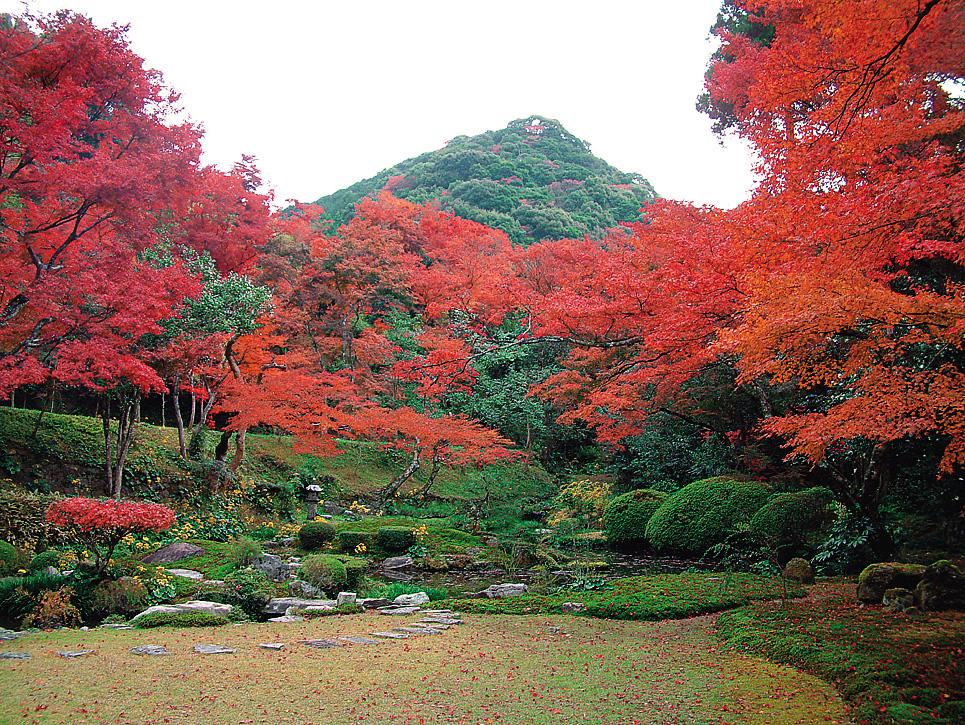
pixel 414 465
pixel 193 406
pixel 164 399
pixel 126 428
pixel 108 456
pixel 178 420
pixel 238 458
pixel 433 472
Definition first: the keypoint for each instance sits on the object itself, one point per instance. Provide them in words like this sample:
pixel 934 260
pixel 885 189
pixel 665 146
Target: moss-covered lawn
pixel 892 668
pixel 527 669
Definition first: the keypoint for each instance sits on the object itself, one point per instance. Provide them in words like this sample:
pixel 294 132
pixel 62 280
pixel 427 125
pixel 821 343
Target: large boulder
pixel 503 591
pixel 274 567
pixel 214 608
pixel 898 599
pixel 941 587
pixel 412 600
pixel 799 570
pixel 173 552
pixel 876 579
pixel 299 588
pixel 398 562
pixel 279 605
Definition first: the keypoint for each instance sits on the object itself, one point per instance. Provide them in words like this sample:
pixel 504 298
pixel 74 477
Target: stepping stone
pixel 272 645
pixel 418 630
pixel 150 650
pixel 437 611
pixel 359 640
pixel 442 620
pixel 72 655
pixel 374 602
pixel 390 635
pixel 8 634
pixel 399 611
pixel 14 655
pixel 213 649
pixel 430 625
pixel 287 619
pixel 320 643
pixel 186 574
pixel 115 626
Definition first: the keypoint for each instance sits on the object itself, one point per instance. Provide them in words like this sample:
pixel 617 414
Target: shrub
pixel 790 521
pixel 703 514
pixel 394 589
pixel 119 596
pixel 263 533
pixel 54 610
pixel 324 571
pixel 247 589
pixel 19 595
pixel 625 517
pixel 245 552
pixel 10 559
pixel 395 539
pixel 22 518
pixel 315 534
pixel 355 569
pixel 180 619
pixel 348 541
pixel 99 525
pixel 44 559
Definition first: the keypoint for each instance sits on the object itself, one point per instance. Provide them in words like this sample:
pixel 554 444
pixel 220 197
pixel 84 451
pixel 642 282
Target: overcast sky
pixel 327 93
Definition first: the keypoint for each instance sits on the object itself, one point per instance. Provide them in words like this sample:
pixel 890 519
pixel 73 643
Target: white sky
pixel 327 93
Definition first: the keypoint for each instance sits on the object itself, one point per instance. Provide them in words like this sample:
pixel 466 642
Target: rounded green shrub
pixel 180 619
pixel 244 552
pixel 395 539
pixel 119 596
pixel 703 514
pixel 248 589
pixel 324 571
pixel 789 521
pixel 315 534
pixel 9 559
pixel 625 517
pixel 355 569
pixel 348 541
pixel 41 561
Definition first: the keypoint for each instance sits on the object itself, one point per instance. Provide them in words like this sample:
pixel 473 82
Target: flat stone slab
pixel 430 625
pixel 412 600
pixel 77 653
pixel 400 611
pixel 320 643
pixel 186 574
pixel 173 552
pixel 115 626
pixel 390 635
pixel 374 602
pixel 279 605
pixel 198 605
pixel 8 634
pixel 272 645
pixel 213 649
pixel 418 630
pixel 352 639
pixel 448 621
pixel 437 611
pixel 14 655
pixel 151 650
pixel 287 619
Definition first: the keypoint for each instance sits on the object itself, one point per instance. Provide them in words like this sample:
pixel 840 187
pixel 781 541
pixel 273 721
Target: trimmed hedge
pixel 315 534
pixel 395 539
pixel 791 520
pixel 348 541
pixel 180 619
pixel 355 569
pixel 41 561
pixel 10 559
pixel 625 517
pixel 325 572
pixel 703 514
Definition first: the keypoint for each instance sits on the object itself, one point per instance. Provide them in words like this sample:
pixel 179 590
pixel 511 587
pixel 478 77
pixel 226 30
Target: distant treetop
pixel 533 179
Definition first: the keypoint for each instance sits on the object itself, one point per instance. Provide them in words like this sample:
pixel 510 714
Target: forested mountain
pixel 533 179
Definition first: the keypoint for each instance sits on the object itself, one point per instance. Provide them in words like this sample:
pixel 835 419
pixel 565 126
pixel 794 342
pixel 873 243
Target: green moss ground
pixel 490 670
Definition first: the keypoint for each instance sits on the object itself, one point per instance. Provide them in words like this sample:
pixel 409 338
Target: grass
pixel 891 668
pixel 649 598
pixel 492 670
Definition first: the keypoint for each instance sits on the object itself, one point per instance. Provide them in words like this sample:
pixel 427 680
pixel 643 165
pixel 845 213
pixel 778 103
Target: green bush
pixel 263 533
pixel 180 619
pixel 19 596
pixel 10 559
pixel 703 514
pixel 790 521
pixel 394 589
pixel 348 541
pixel 325 572
pixel 355 569
pixel 23 518
pixel 625 517
pixel 315 534
pixel 395 539
pixel 119 596
pixel 244 552
pixel 247 589
pixel 41 561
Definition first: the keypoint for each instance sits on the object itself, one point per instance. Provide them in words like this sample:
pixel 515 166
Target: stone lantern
pixel 313 494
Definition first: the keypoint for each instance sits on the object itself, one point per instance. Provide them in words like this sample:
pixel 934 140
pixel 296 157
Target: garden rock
pixel 172 553
pixel 319 643
pixel 52 571
pixel 73 655
pixel 156 609
pixel 186 574
pixel 411 600
pixel 418 630
pixel 216 609
pixel 345 598
pixel 898 599
pixel 876 579
pixel 151 650
pixel 7 635
pixel 14 655
pixel 300 588
pixel 273 566
pixel 390 635
pixel 799 570
pixel 573 607
pixel 504 591
pixel 374 603
pixel 399 611
pixel 279 605
pixel 287 619
pixel 941 587
pixel 398 562
pixel 213 649
pixel 352 639
pixel 272 645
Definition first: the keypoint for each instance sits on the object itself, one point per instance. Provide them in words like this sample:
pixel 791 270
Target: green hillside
pixel 532 179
